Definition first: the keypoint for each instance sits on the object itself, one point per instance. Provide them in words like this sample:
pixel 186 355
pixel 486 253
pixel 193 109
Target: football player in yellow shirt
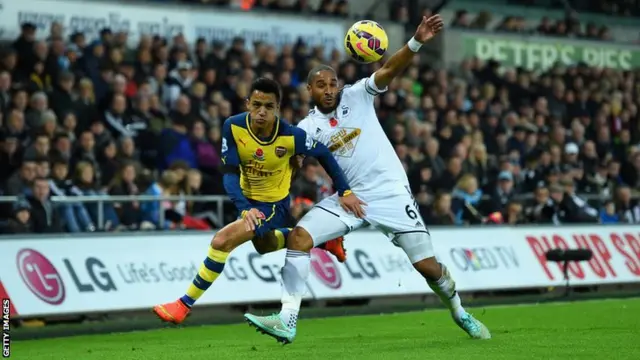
pixel 257 151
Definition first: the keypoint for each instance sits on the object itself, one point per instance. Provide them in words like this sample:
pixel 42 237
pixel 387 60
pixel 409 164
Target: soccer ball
pixel 366 41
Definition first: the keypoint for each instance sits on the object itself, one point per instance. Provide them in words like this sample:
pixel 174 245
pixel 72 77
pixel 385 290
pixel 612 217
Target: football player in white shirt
pixel 345 120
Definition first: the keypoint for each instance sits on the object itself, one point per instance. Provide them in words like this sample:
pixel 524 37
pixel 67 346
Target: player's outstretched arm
pixel 398 62
pixel 231 176
pixel 305 145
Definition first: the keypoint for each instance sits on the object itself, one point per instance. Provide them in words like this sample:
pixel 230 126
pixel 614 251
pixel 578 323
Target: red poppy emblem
pixel 333 122
pixel 259 154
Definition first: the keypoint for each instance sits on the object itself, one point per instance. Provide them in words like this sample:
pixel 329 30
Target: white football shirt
pixel 356 139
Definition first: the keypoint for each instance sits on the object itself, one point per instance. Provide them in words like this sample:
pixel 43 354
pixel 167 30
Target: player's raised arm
pixel 305 145
pixel 398 62
pixel 231 169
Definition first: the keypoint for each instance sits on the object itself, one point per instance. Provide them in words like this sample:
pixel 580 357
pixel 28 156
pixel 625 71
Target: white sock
pixel 294 285
pixel 445 288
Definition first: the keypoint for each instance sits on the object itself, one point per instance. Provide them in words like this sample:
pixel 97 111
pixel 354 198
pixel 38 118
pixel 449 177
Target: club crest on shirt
pixel 344 111
pixel 258 154
pixel 281 151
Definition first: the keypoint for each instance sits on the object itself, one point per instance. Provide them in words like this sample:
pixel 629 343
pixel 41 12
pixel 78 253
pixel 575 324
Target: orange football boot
pixel 173 312
pixel 336 247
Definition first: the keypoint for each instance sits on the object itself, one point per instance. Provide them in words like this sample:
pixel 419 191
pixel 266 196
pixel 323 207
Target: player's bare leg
pixel 223 242
pixel 295 272
pixel 418 248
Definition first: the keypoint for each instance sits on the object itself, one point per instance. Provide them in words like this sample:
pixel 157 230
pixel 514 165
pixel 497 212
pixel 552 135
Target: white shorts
pixel 397 217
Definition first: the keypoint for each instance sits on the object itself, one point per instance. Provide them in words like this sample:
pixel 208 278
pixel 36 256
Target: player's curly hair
pixel 267 86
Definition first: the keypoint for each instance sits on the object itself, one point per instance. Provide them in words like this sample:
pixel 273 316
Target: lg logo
pixel 325 269
pixel 40 276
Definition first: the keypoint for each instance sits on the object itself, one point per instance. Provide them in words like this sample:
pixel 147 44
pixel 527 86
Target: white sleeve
pixel 305 125
pixel 364 88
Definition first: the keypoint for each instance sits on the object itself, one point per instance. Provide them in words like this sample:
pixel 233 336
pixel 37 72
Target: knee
pixel 429 268
pixel 264 246
pixel 299 239
pixel 221 242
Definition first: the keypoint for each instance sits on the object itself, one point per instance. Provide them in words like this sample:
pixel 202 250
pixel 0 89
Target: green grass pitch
pixel 607 329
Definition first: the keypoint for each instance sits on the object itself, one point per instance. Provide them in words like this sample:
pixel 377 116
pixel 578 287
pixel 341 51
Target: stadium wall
pixel 52 276
pixel 168 20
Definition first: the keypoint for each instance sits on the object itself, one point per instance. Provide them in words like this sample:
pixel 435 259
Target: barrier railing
pixel 217 217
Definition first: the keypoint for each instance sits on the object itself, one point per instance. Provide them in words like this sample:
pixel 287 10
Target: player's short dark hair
pixel 316 69
pixel 267 86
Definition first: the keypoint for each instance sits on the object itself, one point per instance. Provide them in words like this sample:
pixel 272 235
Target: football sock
pixel 445 288
pixel 294 279
pixel 209 271
pixel 281 236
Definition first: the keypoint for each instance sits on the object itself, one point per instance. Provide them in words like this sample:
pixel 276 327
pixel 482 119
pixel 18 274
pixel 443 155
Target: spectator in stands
pixel 85 105
pixel 208 158
pixel 75 215
pixel 175 143
pixel 44 215
pixel 151 210
pixel 5 91
pixel 109 165
pixel 631 170
pixel 86 184
pixel 19 100
pixel 465 201
pixel 461 19
pixel 628 209
pixel 61 97
pixel 440 212
pixel 69 127
pixel 20 222
pixel 478 163
pixel 566 207
pixel 448 179
pixel 21 182
pixel 16 127
pixel 124 184
pixel 42 167
pixel 502 194
pixel 512 214
pixel 10 156
pixel 432 151
pixel 608 214
pixel 129 154
pixel 40 146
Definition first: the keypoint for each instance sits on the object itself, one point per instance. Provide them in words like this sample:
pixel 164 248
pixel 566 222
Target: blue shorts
pixel 276 215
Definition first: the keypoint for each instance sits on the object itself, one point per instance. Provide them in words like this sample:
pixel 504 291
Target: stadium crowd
pixel 91 116
pixel 569 27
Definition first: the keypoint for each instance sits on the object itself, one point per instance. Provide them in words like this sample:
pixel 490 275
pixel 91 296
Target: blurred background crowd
pixel 481 143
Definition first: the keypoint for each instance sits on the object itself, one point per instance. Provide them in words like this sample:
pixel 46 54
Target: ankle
pixel 458 312
pixel 289 317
